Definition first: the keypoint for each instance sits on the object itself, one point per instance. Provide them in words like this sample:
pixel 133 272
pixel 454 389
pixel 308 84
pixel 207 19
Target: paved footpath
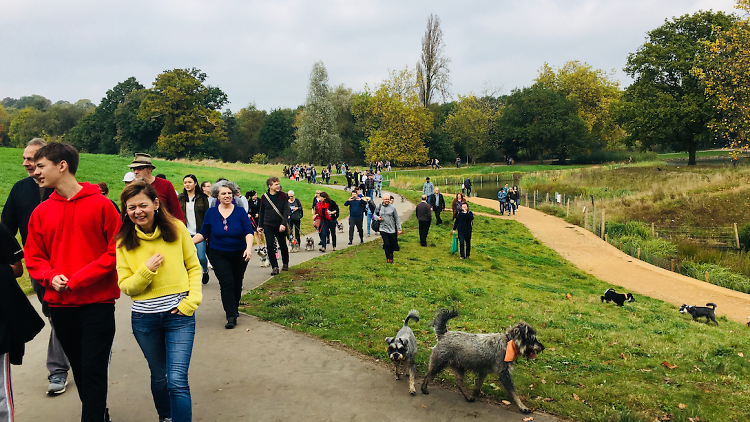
pixel 259 371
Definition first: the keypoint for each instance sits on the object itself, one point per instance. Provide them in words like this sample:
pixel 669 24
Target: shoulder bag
pixel 375 222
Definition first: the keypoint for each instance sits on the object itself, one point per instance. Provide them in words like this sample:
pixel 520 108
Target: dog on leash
pixel 402 198
pixel 403 348
pixel 340 226
pixel 293 244
pixel 708 311
pixel 481 353
pixel 309 244
pixel 263 255
pixel 619 298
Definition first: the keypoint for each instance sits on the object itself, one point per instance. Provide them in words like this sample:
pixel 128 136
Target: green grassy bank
pixel 603 363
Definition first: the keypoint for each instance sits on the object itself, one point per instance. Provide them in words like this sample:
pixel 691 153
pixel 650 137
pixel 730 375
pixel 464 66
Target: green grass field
pixel 641 362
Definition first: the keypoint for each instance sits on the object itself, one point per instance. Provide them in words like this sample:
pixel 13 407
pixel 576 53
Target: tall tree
pixel 432 67
pixel 595 93
pixel 318 138
pixel 470 124
pixel 543 122
pixel 725 70
pixel 277 132
pixel 395 121
pixel 4 127
pixel 352 137
pixel 188 109
pixel 665 105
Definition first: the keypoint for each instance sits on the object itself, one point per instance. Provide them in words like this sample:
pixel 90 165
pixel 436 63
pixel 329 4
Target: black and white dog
pixel 619 298
pixel 403 348
pixel 708 311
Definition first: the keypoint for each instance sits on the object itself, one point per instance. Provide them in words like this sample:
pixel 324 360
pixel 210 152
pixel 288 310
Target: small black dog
pixel 701 311
pixel 611 296
pixel 403 348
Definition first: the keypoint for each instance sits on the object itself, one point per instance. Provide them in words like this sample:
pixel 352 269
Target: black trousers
pixel 464 239
pixel 229 268
pixel 356 222
pixel 438 220
pixel 424 229
pixel 294 226
pixel 390 244
pixel 272 232
pixel 86 334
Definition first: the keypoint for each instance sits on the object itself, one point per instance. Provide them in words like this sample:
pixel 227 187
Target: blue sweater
pixel 356 208
pixel 233 239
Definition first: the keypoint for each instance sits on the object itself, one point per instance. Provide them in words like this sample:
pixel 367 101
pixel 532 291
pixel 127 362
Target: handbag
pixel 454 244
pixel 375 225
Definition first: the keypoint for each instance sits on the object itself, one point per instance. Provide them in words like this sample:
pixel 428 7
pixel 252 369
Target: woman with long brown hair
pixel 456 205
pixel 157 265
pixel 328 212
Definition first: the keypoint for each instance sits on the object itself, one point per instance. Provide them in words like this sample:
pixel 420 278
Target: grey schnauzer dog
pixel 403 347
pixel 480 353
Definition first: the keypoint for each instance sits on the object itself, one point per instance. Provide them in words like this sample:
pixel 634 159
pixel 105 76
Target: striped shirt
pixel 158 304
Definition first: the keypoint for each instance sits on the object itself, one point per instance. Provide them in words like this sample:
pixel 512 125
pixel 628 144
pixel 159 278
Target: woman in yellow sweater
pixel 157 265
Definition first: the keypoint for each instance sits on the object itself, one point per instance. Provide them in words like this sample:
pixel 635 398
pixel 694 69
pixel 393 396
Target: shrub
pixel 260 159
pixel 631 228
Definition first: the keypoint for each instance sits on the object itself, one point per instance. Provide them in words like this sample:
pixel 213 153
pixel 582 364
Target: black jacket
pixel 22 200
pixel 299 213
pixel 424 212
pixel 467 182
pixel 268 215
pixel 441 202
pixel 463 222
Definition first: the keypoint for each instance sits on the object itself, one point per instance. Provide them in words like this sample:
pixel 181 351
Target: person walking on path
pixel 390 227
pixel 158 266
pixel 194 205
pixel 428 189
pixel 378 183
pixel 19 321
pixel 463 224
pixel 70 250
pixel 502 196
pixel 295 216
pixel 424 217
pixel 24 197
pixel 328 213
pixel 274 213
pixel 230 245
pixel 467 186
pixel 357 205
pixel 456 205
pixel 349 179
pixel 370 185
pixel 142 168
pixel 437 202
pixel 513 200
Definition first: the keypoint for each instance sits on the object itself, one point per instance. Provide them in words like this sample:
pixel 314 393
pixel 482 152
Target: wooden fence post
pixel 737 235
pixel 567 211
pixel 652 229
pixel 639 253
pixel 672 266
pixel 707 278
pixel 593 220
pixel 535 192
pixel 603 224
pixel 586 219
pixel 527 199
pixel 546 199
pixel 606 238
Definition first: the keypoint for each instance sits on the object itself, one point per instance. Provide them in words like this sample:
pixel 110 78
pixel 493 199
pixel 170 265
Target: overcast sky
pixel 262 51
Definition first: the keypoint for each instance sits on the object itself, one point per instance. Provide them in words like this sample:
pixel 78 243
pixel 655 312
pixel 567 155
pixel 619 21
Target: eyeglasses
pixel 224 220
pixel 141 168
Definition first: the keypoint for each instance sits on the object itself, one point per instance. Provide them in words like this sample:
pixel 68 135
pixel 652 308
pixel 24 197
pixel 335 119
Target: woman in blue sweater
pixel 463 223
pixel 230 235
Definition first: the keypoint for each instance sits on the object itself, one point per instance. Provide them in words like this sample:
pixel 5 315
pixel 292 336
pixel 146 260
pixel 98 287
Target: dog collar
pixel 511 350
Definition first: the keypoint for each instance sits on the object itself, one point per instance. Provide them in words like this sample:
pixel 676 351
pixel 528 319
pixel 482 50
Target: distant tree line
pixel 685 96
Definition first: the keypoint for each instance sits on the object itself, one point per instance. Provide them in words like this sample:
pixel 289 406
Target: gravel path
pixel 590 253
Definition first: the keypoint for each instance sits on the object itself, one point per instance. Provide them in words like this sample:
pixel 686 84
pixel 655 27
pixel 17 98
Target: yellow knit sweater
pixel 179 272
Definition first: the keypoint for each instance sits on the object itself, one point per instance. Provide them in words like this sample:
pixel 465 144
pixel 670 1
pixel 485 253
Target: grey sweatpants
pixel 57 362
pixel 6 392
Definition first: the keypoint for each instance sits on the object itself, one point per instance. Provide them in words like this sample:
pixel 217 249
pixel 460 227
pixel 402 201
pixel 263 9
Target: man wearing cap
pixel 24 197
pixel 129 177
pixel 428 189
pixel 142 169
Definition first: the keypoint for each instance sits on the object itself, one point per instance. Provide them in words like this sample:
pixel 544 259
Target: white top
pixel 158 304
pixel 190 216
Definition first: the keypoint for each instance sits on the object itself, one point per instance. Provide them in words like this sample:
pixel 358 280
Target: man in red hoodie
pixel 70 251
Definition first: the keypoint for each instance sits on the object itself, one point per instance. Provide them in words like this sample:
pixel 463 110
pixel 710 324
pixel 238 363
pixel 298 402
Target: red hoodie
pixel 75 238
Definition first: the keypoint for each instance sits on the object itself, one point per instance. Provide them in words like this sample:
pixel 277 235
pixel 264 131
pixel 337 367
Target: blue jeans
pixel 378 187
pixel 328 227
pixel 201 248
pixel 369 219
pixel 166 340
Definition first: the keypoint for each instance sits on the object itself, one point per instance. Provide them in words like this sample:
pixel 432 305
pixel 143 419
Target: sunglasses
pixel 224 220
